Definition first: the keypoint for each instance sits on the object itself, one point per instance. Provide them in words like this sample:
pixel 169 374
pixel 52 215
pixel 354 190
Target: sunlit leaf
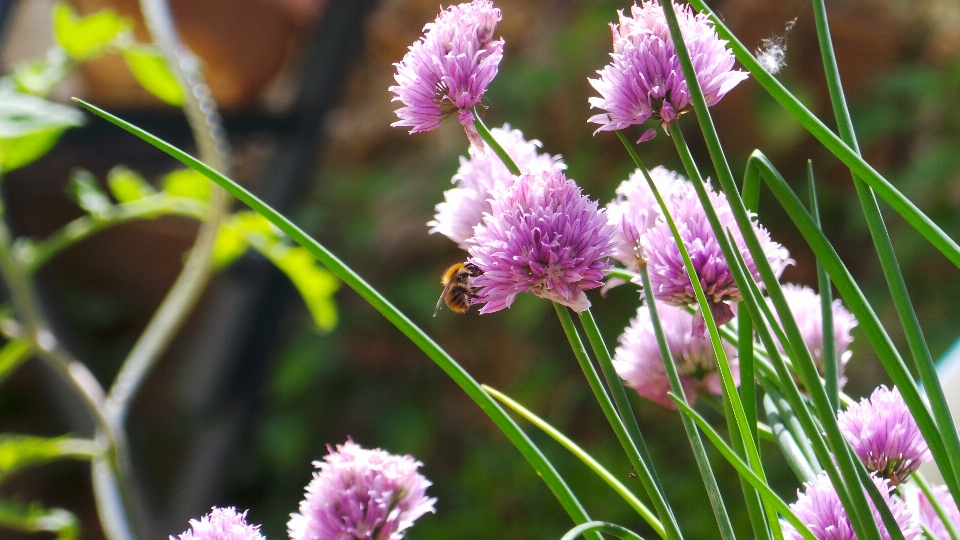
pixel 237 233
pixel 30 126
pixel 187 183
pixel 38 77
pixel 87 193
pixel 20 451
pixel 150 69
pixel 85 37
pixel 35 518
pixel 12 356
pixel 127 185
pixel 315 284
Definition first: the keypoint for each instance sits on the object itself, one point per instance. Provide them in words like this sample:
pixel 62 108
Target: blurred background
pixel 250 393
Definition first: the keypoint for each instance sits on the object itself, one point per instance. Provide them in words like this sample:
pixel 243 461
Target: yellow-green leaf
pixel 315 283
pixel 150 69
pixel 187 183
pixel 127 185
pixel 238 232
pixel 86 37
pixel 20 451
pixel 30 126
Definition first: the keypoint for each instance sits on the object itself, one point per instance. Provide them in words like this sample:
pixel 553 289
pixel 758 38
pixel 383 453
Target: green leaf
pixel 315 283
pixel 187 183
pixel 150 69
pixel 86 37
pixel 87 193
pixel 468 384
pixel 30 126
pixel 12 355
pixel 35 518
pixel 127 185
pixel 20 451
pixel 38 77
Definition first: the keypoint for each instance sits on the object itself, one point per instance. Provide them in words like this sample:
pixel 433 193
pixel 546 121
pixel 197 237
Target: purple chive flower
pixel 644 80
pixel 221 524
pixel 929 517
pixel 449 68
pixel 819 507
pixel 805 307
pixel 635 210
pixel 638 361
pixel 542 236
pixel 361 494
pixel 479 175
pixel 668 277
pixel 883 433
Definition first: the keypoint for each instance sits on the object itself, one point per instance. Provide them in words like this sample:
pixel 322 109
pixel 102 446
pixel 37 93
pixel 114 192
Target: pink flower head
pixel 635 210
pixel 883 433
pixel 464 206
pixel 668 277
pixel 543 236
pixel 820 509
pixel 644 79
pixel 805 307
pixel 221 524
pixel 638 361
pixel 361 494
pixel 449 68
pixel 929 517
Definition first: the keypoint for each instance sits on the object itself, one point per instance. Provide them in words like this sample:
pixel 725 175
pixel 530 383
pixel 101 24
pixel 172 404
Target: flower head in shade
pixel 929 517
pixel 221 524
pixel 883 433
pixel 448 69
pixel 479 175
pixel 543 236
pixel 361 494
pixel 638 361
pixel 820 509
pixel 644 79
pixel 805 307
pixel 635 210
pixel 668 277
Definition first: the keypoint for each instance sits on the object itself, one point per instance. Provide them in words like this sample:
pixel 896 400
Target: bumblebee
pixel 457 290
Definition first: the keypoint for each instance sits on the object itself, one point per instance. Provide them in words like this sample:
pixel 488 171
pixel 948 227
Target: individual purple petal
pixel 644 79
pixel 221 524
pixel 883 433
pixel 361 494
pixel 544 236
pixel 464 205
pixel 449 68
pixel 638 361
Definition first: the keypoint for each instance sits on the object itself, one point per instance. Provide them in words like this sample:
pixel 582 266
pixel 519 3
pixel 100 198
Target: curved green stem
pixel 586 458
pixel 640 462
pixel 602 526
pixel 416 335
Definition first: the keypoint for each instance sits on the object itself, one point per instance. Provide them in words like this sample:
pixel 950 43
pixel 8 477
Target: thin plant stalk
pixel 831 364
pixel 643 469
pixel 696 444
pixel 888 261
pixel 487 404
pixel 645 513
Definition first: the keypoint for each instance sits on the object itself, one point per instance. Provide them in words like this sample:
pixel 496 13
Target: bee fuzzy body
pixel 458 291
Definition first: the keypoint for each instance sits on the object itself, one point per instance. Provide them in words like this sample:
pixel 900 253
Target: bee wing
pixel 446 289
